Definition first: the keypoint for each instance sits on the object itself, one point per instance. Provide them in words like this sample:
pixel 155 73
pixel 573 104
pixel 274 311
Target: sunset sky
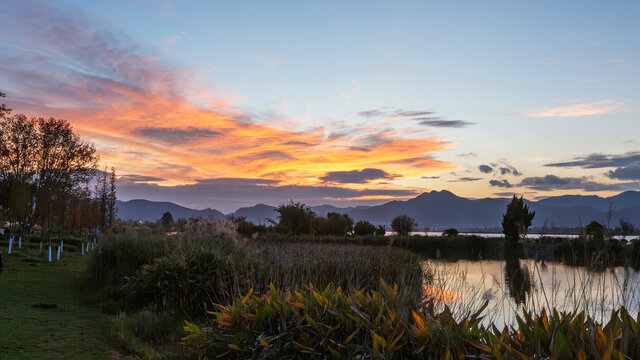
pixel 227 104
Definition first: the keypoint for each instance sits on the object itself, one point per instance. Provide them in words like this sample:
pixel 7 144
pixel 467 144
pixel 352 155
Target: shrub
pixel 403 225
pixel 364 228
pixel 187 281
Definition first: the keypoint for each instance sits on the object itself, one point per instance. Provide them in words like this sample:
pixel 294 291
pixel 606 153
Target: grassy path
pixel 71 330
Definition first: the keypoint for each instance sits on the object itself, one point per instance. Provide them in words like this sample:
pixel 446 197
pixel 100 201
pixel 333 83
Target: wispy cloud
pixel 501 166
pixel 172 40
pixel 584 109
pixel 469 154
pixel 427 118
pixel 539 159
pixel 500 183
pixel 553 182
pixel 620 62
pixel 596 161
pixel 465 179
pixel 357 176
pixel 353 91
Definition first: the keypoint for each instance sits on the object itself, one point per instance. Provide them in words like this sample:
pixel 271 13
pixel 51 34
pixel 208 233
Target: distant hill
pixel 435 209
pixel 147 210
pixel 593 201
pixel 441 209
pixel 257 214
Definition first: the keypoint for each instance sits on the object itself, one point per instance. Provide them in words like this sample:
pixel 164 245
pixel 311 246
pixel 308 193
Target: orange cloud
pixel 135 109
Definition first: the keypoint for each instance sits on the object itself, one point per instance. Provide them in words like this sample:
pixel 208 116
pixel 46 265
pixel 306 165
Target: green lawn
pixel 73 329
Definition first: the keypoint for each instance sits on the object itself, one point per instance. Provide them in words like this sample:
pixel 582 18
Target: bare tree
pixel 610 214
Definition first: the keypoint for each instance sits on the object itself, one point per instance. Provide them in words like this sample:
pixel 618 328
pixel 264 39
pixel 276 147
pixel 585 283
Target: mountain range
pixel 435 209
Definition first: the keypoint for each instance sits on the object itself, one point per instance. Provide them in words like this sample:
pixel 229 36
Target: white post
pixel 82 249
pixel 20 242
pixel 49 253
pixel 10 243
pixel 58 254
pixel 40 247
pixel 87 246
pixel 61 245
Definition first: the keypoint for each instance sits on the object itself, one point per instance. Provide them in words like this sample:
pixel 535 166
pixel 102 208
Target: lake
pixel 500 235
pixel 465 285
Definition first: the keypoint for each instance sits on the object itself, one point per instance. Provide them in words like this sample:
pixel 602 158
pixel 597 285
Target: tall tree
pixel 18 151
pixel 517 220
pixel 403 225
pixel 166 219
pixel 112 210
pixel 295 218
pixel 63 161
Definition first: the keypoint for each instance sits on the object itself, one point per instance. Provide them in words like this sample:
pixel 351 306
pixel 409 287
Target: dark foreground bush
pixel 186 282
pixel 331 323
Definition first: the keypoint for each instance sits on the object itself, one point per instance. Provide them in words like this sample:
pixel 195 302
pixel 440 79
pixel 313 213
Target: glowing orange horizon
pixel 165 137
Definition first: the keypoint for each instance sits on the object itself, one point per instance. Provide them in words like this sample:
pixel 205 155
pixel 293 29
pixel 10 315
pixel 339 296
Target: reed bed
pixel 183 273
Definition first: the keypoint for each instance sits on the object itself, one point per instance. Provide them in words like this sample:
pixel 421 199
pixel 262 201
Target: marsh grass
pixel 348 266
pixel 182 274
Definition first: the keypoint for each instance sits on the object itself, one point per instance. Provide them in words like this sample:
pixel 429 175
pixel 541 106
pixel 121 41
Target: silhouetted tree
pixel 517 219
pixel 363 227
pixel 112 210
pixel 625 228
pixel 295 218
pixel 166 219
pixel 334 224
pixel 380 231
pixel 403 225
pixel 595 231
pixel 247 228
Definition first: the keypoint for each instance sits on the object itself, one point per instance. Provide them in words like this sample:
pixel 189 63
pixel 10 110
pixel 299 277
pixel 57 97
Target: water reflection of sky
pixel 501 235
pixel 465 285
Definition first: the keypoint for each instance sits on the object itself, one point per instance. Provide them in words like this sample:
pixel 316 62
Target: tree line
pixel 49 178
pixel 296 218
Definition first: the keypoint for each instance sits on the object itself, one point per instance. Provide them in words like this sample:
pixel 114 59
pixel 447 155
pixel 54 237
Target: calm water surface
pixel 465 285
